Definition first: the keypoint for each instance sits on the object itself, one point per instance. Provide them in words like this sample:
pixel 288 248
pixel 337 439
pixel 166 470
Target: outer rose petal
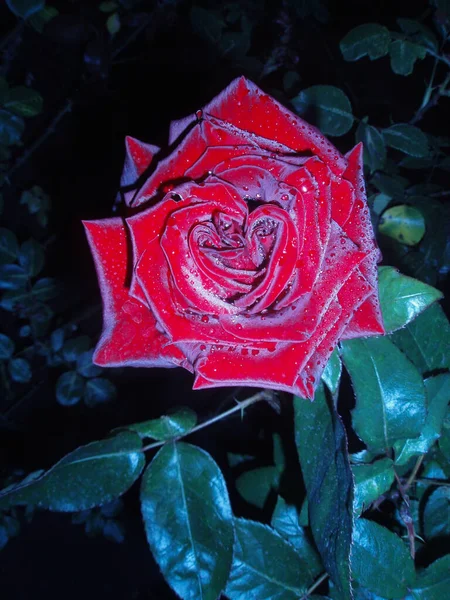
pixel 129 334
pixel 368 319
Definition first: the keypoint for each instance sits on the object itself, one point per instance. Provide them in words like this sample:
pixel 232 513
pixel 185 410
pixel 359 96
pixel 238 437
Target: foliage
pixel 345 496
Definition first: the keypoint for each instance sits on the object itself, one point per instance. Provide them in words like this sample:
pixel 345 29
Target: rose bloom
pixel 250 252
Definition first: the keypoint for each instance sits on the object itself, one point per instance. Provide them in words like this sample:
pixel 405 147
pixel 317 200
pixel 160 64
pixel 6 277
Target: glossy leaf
pixel 9 246
pixel 32 257
pixel 25 8
pixel 11 128
pixel 85 366
pixel 12 277
pixel 370 39
pixel 168 426
pixel 331 375
pixel 433 582
pixel 24 101
pixel 371 481
pixel 75 347
pixel 255 485
pixel 40 19
pixel 19 370
pixel 99 390
pixel 329 105
pixel 45 289
pixel 265 566
pixel 404 55
pixel 6 347
pixel 436 514
pixel 188 520
pixel 408 139
pixel 285 520
pixel 402 298
pixel 381 561
pixel 390 395
pixel 374 146
pixel 322 449
pixel 419 32
pixel 403 223
pixel 438 396
pixel 425 340
pixel 89 476
pixel 444 440
pixel 69 388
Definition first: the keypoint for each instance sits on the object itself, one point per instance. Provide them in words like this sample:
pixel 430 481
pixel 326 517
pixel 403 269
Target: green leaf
pixel 75 347
pixel 188 520
pixel 24 101
pixel 255 485
pixel 9 246
pixel 85 366
pixel 402 298
pixel 6 347
pixel 32 257
pixel 403 56
pixel 264 562
pixel 330 107
pixel 168 426
pixel 25 8
pixel 14 298
pixel 403 223
pixel 331 375
pixel 19 370
pixel 369 39
pixel 45 289
pixel 374 146
pixel 392 186
pixel 113 24
pixel 285 520
pixel 322 449
pixel 419 33
pixel 12 277
pixel 371 481
pixel 408 139
pixel 444 440
pixel 436 514
pixel 89 476
pixel 381 561
pixel 40 19
pixel 433 582
pixel 425 340
pixel 11 128
pixel 99 390
pixel 69 388
pixel 390 395
pixel 438 394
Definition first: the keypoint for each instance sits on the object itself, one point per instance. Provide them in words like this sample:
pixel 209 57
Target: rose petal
pixel 129 335
pixel 244 105
pixel 298 322
pixel 137 159
pixel 277 369
pixel 351 297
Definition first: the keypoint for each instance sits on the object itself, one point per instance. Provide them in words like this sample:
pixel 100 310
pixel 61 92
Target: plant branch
pixel 241 406
pixel 414 472
pixel 314 586
pixel 431 98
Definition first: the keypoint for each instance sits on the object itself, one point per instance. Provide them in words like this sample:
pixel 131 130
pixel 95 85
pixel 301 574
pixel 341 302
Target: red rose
pixel 252 253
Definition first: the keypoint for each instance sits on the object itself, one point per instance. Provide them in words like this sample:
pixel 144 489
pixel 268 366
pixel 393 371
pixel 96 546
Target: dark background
pixel 166 72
